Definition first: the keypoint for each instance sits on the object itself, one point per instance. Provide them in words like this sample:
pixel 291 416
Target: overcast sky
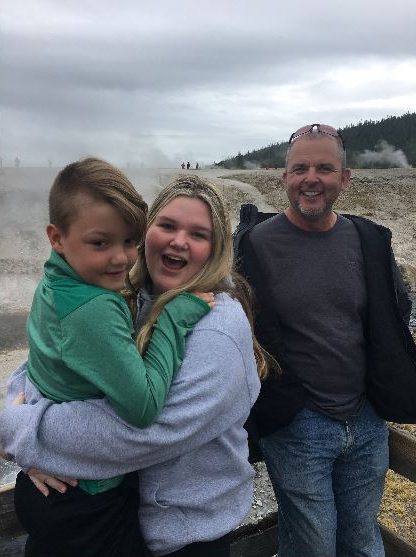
pixel 161 81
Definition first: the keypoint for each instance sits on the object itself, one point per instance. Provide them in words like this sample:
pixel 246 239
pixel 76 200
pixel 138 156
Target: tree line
pixel 370 143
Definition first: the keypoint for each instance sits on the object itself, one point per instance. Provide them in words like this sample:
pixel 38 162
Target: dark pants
pixel 76 524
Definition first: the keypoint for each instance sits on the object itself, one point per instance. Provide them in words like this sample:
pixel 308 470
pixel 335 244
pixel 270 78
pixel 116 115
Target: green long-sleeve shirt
pixel 81 345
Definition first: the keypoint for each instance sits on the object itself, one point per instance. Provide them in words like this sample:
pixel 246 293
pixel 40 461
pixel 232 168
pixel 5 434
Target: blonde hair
pixel 101 181
pixel 216 275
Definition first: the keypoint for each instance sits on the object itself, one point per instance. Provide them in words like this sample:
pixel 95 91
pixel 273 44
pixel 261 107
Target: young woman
pixel 195 480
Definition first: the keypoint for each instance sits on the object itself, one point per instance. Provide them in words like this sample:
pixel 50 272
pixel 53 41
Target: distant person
pixel 333 308
pixel 188 165
pixel 81 346
pixel 17 162
pixel 183 166
pixel 196 483
pixel 196 166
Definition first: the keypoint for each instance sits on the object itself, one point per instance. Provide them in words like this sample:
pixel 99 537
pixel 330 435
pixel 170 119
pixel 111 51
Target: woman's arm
pixel 215 388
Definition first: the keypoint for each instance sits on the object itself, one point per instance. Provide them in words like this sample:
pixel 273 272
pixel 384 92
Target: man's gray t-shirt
pixel 317 290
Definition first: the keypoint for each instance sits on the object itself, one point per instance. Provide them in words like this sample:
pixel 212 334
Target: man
pixel 332 309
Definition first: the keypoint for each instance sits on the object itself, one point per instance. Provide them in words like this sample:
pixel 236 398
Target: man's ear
pixel 55 236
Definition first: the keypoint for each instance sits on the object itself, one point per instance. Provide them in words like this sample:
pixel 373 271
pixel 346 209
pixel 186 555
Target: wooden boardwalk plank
pixel 402 448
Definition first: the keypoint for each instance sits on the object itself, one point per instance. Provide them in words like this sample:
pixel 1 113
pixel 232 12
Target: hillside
pixel 388 143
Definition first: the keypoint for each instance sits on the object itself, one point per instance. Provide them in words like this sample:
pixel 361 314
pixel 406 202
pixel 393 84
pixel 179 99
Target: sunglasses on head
pixel 317 128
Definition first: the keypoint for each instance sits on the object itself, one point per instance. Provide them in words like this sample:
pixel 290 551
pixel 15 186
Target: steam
pixel 249 165
pixel 385 156
pixel 153 157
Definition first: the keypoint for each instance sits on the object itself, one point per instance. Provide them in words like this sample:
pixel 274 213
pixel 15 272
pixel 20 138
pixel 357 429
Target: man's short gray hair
pixel 315 135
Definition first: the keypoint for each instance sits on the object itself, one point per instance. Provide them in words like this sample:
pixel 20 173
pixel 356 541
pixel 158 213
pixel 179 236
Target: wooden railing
pixel 258 539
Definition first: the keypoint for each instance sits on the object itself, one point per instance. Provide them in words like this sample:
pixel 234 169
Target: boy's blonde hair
pixel 215 276
pixel 100 181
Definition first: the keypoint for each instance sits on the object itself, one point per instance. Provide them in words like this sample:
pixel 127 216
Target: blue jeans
pixel 328 477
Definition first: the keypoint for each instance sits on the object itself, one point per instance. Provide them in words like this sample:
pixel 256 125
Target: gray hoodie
pixel 195 481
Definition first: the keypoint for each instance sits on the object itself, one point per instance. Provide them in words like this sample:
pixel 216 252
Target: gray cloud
pixel 131 79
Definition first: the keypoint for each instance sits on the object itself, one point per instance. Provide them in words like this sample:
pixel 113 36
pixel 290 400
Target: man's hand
pixel 44 481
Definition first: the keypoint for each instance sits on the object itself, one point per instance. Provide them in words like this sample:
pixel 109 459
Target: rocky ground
pixel 389 198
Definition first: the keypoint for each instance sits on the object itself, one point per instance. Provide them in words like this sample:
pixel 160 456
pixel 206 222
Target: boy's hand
pixel 207 297
pixel 42 480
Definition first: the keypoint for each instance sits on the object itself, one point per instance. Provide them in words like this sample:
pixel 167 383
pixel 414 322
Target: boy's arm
pixel 204 401
pixel 98 346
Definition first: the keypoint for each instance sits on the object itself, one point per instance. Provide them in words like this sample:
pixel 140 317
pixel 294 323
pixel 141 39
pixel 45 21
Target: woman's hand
pixel 43 481
pixel 20 399
pixel 207 297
